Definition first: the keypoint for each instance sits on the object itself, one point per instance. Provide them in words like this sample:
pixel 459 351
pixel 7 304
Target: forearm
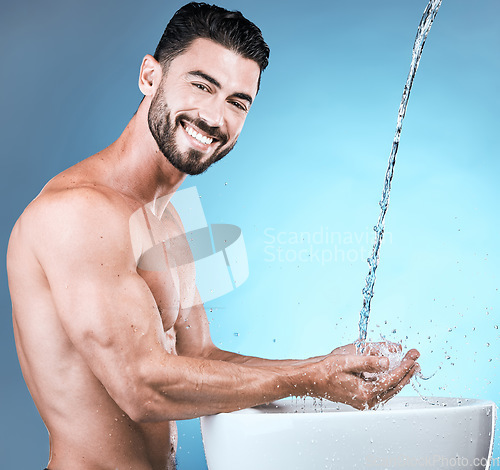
pixel 184 387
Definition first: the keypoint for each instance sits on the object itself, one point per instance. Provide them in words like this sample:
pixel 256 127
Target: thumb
pixel 359 364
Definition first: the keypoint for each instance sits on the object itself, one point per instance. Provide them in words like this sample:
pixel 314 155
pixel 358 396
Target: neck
pixel 139 168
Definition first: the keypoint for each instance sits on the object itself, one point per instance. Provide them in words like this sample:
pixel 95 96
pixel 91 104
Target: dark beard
pixel 190 162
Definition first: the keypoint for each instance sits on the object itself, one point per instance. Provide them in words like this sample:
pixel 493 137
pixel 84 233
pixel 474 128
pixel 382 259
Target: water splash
pixel 423 29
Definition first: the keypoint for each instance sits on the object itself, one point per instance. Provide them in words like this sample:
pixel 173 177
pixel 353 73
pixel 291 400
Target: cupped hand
pixel 341 377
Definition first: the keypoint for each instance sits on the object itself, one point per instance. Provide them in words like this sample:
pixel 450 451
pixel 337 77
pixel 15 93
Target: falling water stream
pixel 423 29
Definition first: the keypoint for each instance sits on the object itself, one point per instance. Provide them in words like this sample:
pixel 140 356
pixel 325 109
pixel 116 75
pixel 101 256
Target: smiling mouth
pixel 196 134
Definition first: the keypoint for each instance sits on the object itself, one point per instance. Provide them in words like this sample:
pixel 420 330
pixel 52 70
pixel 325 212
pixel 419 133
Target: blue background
pixel 310 161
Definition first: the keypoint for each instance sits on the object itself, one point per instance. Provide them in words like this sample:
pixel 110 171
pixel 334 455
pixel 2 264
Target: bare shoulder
pixel 75 219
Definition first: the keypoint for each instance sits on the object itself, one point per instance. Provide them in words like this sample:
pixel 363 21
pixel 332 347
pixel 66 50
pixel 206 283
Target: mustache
pixel 215 132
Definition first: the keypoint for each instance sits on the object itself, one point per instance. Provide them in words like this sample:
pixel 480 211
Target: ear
pixel 150 75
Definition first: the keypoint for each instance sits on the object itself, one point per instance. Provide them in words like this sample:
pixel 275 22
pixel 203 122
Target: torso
pixel 87 428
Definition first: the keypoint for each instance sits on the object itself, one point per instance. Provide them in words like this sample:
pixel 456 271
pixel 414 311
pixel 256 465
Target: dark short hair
pixel 228 28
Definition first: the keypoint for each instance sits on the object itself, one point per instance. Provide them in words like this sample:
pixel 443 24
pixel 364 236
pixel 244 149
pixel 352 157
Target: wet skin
pixel 102 343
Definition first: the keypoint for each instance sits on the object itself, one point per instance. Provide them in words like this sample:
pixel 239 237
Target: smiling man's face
pixel 201 105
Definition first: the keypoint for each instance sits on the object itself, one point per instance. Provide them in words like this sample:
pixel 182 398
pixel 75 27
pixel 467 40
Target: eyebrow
pixel 213 81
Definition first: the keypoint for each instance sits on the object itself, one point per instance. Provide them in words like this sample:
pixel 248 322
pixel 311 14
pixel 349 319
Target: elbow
pixel 146 406
pixel 146 401
pixel 143 404
pixel 143 412
pixel 148 393
pixel 133 395
pixel 156 410
pixel 135 402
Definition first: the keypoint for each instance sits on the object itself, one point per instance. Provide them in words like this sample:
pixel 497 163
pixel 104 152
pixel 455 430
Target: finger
pixel 392 379
pixel 360 364
pixel 412 354
pixel 384 397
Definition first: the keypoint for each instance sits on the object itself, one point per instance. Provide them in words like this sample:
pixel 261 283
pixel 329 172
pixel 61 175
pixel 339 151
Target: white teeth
pixel 198 136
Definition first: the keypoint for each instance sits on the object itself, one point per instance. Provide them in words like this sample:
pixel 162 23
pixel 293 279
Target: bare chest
pixel 165 263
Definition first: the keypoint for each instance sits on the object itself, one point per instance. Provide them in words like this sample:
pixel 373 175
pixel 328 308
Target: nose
pixel 212 112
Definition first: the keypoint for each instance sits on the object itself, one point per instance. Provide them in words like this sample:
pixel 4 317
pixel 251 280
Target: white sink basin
pixel 309 434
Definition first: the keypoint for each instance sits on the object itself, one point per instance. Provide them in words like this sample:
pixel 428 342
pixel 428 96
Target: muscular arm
pixel 111 318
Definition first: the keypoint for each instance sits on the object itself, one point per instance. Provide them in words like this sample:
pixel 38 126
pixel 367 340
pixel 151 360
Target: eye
pixel 239 106
pixel 201 86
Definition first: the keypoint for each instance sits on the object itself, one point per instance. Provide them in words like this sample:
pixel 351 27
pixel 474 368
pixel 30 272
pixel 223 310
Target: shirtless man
pixel 103 343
